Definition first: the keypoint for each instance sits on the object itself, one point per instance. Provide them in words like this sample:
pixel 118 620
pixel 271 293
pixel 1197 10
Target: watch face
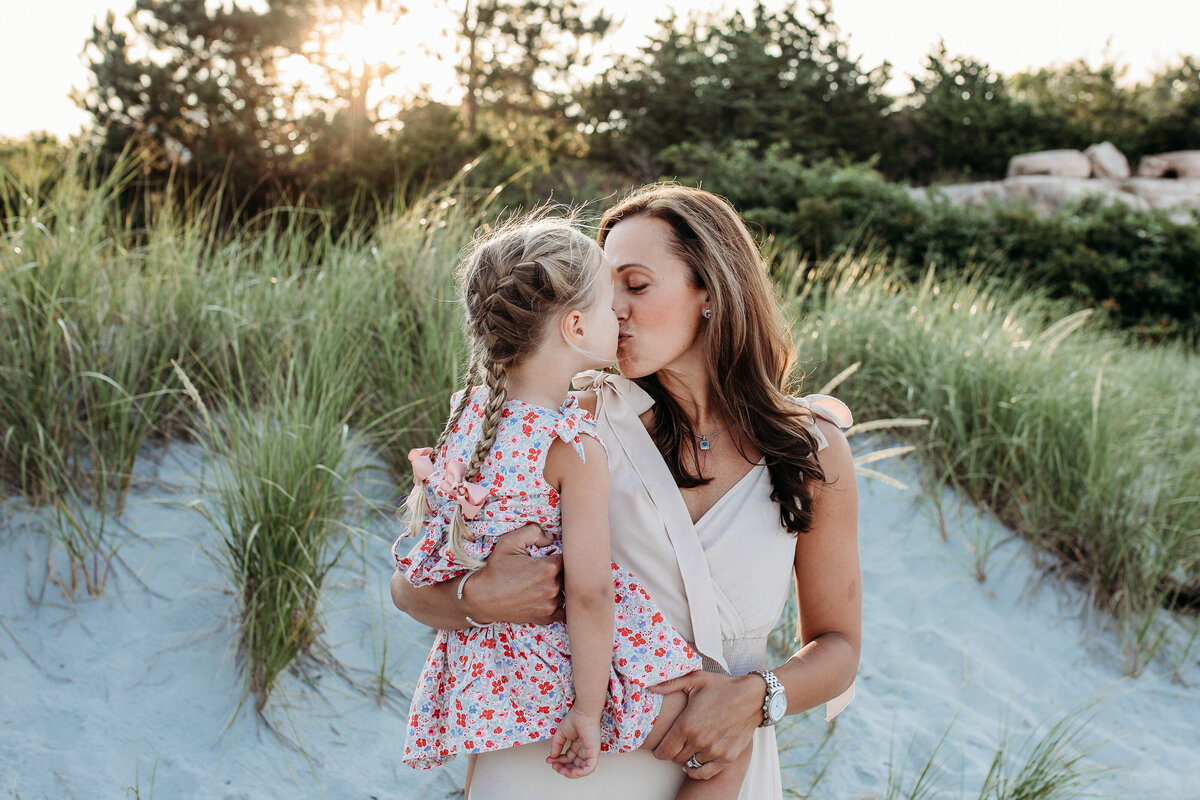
pixel 778 706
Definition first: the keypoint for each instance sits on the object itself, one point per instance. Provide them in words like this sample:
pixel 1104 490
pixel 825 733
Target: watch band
pixel 774 687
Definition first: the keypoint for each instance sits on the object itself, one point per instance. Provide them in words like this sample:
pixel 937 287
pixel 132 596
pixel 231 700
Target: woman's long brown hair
pixel 747 350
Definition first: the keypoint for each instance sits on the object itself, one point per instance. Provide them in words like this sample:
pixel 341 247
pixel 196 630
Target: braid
pixel 497 394
pixel 416 498
pixel 489 425
pixel 463 402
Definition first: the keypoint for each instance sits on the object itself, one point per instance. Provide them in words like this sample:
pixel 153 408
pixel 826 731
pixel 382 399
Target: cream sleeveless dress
pixel 722 582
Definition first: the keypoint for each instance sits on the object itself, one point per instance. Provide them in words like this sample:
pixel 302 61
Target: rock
pixel 1180 164
pixel 1060 163
pixel 1107 161
pixel 1047 193
pixel 968 194
pixel 1182 193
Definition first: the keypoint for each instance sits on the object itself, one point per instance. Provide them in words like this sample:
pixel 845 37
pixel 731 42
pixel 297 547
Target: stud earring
pixel 708 313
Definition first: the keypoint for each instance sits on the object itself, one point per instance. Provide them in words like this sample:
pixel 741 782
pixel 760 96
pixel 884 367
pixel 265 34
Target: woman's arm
pixel 512 586
pixel 722 711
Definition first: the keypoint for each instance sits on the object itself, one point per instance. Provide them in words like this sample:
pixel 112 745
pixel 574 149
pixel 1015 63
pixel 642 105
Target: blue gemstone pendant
pixel 704 445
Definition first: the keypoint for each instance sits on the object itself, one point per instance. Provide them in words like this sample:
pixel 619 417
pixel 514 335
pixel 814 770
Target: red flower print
pixel 488 713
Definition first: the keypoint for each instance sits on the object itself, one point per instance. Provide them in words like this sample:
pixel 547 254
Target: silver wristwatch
pixel 775 703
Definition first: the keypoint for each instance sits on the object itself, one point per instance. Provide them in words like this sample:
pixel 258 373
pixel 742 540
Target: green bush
pixel 1139 266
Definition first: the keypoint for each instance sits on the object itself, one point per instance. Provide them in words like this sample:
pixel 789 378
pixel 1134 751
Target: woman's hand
pixel 718 722
pixel 512 586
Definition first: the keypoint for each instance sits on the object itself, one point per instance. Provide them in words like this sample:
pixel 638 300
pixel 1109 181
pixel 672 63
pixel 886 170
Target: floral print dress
pixel 505 684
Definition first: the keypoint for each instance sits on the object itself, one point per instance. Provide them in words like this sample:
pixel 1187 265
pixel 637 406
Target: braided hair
pixel 515 282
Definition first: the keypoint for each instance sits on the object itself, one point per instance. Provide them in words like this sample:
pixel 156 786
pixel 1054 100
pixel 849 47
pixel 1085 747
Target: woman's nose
pixel 620 308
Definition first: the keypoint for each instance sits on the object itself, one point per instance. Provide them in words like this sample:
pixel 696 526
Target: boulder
pixel 1180 164
pixel 1047 193
pixel 1183 193
pixel 976 195
pixel 1059 163
pixel 1107 161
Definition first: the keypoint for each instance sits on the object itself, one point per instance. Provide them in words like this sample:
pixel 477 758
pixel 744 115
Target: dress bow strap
pixel 471 496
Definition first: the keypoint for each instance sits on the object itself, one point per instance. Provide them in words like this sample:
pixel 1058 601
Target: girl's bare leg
pixel 725 785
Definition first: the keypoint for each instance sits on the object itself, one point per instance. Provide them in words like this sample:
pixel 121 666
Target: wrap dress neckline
pixel 632 437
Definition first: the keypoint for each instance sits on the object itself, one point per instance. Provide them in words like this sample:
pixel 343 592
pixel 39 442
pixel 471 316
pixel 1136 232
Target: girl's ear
pixel 572 327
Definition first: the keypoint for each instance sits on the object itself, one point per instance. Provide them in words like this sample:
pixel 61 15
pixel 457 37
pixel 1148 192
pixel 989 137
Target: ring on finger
pixel 694 762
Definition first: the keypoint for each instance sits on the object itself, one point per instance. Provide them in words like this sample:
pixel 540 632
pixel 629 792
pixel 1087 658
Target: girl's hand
pixel 575 746
pixel 718 722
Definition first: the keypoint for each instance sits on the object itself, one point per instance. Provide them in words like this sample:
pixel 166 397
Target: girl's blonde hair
pixel 514 282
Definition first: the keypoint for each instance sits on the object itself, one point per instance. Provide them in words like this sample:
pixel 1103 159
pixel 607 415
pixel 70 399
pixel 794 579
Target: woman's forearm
pixel 436 605
pixel 818 672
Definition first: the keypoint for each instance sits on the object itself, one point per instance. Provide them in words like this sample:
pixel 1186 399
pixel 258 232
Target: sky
pixel 41 42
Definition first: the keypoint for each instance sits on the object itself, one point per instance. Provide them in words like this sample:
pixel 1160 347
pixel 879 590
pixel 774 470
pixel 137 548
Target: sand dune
pixel 140 688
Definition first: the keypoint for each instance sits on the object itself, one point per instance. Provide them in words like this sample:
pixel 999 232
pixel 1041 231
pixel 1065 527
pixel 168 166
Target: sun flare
pixel 403 54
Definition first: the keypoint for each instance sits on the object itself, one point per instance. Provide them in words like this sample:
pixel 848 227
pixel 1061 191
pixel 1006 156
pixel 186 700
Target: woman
pixel 723 488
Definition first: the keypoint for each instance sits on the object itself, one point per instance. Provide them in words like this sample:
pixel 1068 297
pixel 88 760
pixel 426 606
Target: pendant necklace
pixel 705 442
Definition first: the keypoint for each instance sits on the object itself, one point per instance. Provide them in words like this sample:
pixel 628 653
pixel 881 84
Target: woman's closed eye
pixel 637 288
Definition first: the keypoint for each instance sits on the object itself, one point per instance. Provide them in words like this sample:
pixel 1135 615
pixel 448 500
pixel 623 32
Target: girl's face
pixel 600 323
pixel 658 308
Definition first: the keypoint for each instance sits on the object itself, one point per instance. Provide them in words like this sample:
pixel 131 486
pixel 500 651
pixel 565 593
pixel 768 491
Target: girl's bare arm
pixel 587 579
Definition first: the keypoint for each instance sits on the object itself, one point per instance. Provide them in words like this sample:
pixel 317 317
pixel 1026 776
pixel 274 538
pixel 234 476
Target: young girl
pixel 516 450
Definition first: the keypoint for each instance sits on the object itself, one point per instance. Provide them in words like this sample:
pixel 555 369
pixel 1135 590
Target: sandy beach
pixel 136 694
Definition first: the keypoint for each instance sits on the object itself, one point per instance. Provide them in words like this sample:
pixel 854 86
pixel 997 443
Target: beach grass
pixel 279 486
pixel 1049 763
pixel 292 334
pixel 1079 440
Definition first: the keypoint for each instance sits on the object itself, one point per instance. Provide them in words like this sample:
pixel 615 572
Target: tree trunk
pixel 471 101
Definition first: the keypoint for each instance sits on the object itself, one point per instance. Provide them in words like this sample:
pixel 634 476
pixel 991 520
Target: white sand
pixel 136 689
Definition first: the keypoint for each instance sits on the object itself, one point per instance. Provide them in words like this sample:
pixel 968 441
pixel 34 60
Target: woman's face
pixel 658 308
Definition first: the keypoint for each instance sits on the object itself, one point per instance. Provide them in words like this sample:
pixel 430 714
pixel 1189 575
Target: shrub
pixel 1139 266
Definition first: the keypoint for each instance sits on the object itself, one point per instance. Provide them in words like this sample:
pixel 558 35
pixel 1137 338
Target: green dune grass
pixel 290 333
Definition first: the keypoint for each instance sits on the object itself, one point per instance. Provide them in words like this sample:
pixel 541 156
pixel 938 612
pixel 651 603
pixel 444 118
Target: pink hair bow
pixel 422 467
pixel 471 496
pixel 422 464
